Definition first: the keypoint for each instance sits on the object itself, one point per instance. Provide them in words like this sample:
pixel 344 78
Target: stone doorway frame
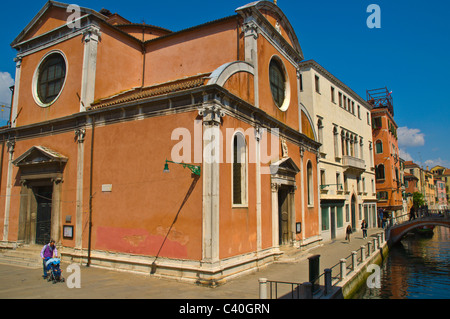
pixel 39 166
pixel 283 174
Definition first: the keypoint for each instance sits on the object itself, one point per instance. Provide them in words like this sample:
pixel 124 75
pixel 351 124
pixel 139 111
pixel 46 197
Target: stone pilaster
pixel 79 136
pixel 15 106
pixel 250 29
pixel 275 223
pixel 10 145
pixel 91 39
pixel 212 114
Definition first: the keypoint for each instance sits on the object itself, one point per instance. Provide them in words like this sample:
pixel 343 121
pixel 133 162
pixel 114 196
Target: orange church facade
pixel 100 108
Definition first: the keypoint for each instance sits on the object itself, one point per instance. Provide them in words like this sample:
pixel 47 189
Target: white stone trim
pixel 36 78
pixel 211 114
pixel 15 106
pixel 224 72
pixel 91 39
pixel 287 90
pixel 191 271
pixel 9 183
pixel 244 171
pixel 250 30
pixel 80 134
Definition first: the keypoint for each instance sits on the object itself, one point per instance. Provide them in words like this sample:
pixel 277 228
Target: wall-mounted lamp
pixel 195 169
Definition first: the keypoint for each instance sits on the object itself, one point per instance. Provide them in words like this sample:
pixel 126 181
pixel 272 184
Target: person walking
pixel 412 213
pixel 364 228
pixel 348 232
pixel 380 218
pixel 47 252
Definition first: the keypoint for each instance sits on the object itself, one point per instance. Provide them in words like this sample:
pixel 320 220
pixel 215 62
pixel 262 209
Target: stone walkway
pixel 96 283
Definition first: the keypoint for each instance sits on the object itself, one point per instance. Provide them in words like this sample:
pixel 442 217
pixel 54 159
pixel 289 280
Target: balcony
pixel 353 165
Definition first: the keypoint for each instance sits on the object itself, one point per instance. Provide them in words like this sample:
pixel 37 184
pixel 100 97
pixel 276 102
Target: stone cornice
pixel 380 111
pixel 191 100
pixel 41 13
pixel 89 25
pixel 55 36
pixel 313 64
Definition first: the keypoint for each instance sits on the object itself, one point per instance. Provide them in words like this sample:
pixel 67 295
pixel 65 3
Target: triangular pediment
pixel 52 15
pixel 268 13
pixel 286 165
pixel 39 155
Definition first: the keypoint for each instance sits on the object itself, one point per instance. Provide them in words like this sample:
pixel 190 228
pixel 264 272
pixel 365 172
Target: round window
pixel 51 75
pixel 278 82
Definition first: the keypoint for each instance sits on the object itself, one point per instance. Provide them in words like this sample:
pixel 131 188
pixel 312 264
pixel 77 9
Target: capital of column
pixel 11 144
pixel 18 61
pixel 251 29
pixel 275 187
pixel 259 131
pixel 91 33
pixel 211 114
pixel 57 180
pixel 298 73
pixel 79 135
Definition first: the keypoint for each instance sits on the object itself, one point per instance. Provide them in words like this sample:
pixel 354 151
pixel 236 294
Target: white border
pixel 244 204
pixel 287 84
pixel 36 76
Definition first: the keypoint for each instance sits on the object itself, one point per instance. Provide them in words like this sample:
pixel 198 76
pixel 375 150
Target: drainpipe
pixel 144 51
pixel 90 192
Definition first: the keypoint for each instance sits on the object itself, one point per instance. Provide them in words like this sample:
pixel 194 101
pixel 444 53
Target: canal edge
pixel 347 288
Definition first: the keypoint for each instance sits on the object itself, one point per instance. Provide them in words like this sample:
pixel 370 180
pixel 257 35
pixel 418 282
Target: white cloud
pixel 5 82
pixel 439 161
pixel 410 137
pixel 5 96
pixel 405 155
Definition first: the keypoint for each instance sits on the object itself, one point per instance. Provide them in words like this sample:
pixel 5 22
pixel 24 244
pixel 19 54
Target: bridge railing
pixel 420 214
pixel 325 282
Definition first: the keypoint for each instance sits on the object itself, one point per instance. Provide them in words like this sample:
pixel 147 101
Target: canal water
pixel 416 268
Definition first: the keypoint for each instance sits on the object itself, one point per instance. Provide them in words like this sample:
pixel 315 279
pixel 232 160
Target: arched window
pixel 379 147
pixel 239 170
pixel 277 82
pixel 310 183
pixel 379 172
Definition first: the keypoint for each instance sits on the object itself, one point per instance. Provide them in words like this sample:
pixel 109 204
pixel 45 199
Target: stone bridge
pixel 396 232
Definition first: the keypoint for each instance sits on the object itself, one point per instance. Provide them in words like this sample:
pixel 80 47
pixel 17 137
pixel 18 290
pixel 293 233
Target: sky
pixel 408 54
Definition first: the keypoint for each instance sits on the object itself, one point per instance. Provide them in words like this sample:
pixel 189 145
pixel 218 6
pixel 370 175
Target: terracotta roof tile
pixel 151 91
